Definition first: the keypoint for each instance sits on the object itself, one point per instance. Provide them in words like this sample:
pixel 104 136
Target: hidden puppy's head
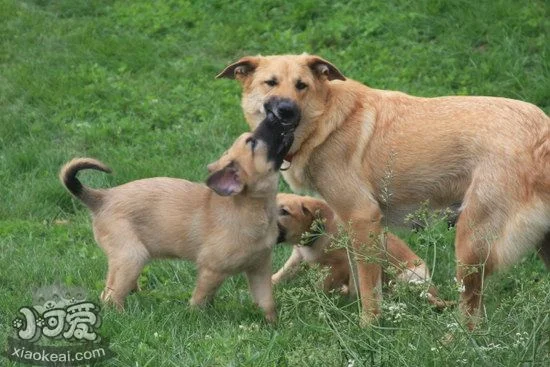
pixel 296 215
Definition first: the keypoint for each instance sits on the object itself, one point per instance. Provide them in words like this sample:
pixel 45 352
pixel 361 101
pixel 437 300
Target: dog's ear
pixel 226 182
pixel 241 68
pixel 323 68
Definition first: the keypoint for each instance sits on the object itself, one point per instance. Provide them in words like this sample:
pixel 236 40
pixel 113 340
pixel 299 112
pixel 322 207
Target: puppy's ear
pixel 317 209
pixel 241 68
pixel 226 182
pixel 323 68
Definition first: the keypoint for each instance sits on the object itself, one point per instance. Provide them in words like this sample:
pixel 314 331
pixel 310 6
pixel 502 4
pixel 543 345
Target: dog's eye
pixel 271 82
pixel 300 85
pixel 283 212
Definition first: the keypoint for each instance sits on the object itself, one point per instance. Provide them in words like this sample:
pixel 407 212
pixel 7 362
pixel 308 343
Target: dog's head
pixel 252 163
pixel 296 215
pixel 293 87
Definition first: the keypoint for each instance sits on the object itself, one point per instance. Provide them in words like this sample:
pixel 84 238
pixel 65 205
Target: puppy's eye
pixel 271 82
pixel 283 212
pixel 252 142
pixel 300 85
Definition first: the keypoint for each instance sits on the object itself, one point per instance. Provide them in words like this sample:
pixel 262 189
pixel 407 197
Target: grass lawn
pixel 132 83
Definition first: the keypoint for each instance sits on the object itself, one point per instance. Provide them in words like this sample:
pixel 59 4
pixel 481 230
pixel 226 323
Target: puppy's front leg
pixel 259 281
pixel 289 269
pixel 208 282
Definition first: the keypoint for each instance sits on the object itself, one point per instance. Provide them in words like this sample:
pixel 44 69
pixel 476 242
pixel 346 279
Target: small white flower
pixel 460 285
pixel 452 326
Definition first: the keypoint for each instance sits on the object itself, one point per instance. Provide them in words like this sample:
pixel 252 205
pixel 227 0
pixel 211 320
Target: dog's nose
pixel 284 109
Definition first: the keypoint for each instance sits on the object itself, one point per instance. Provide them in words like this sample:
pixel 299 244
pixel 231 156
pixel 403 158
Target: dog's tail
pixel 91 197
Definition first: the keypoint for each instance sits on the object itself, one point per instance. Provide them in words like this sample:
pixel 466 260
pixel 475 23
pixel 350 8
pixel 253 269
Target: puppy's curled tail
pixel 92 198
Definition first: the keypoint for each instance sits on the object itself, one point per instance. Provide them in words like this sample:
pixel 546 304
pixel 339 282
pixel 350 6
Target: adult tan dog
pixel 372 154
pixel 296 216
pixel 168 217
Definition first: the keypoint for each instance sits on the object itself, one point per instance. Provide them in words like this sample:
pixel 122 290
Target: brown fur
pixel 296 215
pixel 374 154
pixel 167 217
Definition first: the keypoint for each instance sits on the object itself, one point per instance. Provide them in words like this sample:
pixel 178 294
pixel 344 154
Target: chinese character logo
pixel 78 321
pixel 58 314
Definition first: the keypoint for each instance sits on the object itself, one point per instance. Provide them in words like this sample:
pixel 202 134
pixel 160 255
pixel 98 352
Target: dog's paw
pixel 368 318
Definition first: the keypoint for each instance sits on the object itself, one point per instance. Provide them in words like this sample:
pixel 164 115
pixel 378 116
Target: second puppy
pixel 226 228
pixel 296 216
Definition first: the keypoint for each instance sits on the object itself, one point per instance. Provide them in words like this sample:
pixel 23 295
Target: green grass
pixel 132 83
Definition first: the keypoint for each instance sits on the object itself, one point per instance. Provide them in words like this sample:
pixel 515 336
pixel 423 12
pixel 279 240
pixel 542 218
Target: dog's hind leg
pixel 479 226
pixel 502 219
pixel 475 261
pixel 208 282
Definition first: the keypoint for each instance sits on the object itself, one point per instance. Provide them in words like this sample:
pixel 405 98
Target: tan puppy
pixel 297 214
pixel 167 217
pixel 374 154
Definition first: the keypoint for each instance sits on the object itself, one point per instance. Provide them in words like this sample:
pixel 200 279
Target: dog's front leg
pixel 365 237
pixel 289 269
pixel 259 281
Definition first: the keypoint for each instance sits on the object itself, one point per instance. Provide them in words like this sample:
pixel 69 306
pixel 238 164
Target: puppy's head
pixel 253 161
pixel 243 168
pixel 293 87
pixel 296 215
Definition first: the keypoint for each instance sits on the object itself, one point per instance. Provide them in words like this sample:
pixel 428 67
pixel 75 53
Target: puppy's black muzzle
pixel 285 110
pixel 282 234
pixel 277 129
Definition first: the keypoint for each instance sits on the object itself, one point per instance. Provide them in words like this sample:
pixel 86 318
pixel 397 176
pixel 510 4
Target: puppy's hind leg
pixel 259 282
pixel 208 282
pixel 122 275
pixel 544 250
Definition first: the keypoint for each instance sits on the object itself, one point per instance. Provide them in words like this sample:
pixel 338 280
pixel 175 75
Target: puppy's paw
pixel 439 303
pixel 109 299
pixel 344 290
pixel 195 303
pixel 275 279
pixel 271 317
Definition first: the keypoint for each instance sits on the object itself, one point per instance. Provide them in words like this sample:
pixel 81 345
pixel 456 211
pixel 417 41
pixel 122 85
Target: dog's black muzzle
pixel 277 129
